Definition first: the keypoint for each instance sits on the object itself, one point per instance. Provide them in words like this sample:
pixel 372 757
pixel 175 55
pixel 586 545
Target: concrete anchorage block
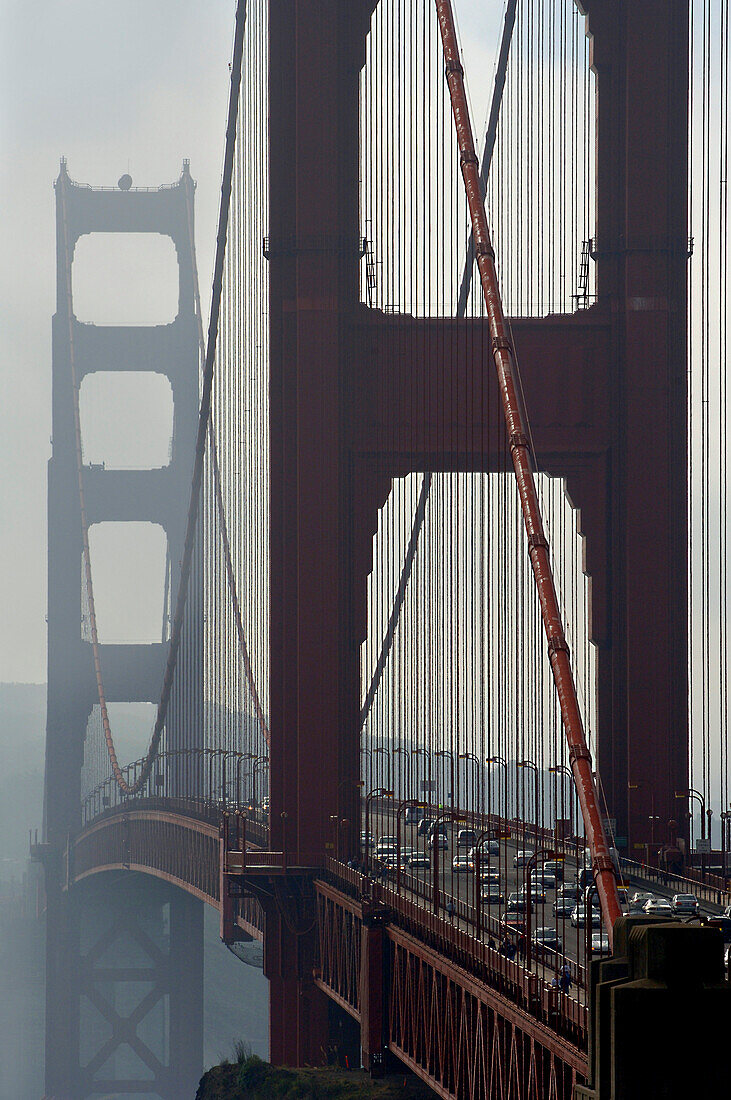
pixel 660 1014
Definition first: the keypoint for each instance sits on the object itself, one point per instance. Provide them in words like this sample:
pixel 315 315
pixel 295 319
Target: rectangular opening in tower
pixel 131 583
pixel 126 420
pixel 125 279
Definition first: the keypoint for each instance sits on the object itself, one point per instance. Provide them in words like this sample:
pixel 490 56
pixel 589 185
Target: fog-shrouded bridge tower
pixel 124 999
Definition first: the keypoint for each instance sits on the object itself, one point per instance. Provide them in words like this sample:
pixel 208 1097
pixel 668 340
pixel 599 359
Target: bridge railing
pixel 455 940
pixel 203 781
pixel 714 891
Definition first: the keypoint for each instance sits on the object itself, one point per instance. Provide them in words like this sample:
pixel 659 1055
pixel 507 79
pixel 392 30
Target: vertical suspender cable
pixel 463 300
pixel 579 756
pixel 221 511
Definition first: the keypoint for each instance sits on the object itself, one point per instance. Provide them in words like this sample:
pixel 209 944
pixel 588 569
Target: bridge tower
pixel 346 386
pixel 137 933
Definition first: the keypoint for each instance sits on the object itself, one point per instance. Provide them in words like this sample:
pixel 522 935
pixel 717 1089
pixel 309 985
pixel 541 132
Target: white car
pixel 599 943
pixel 521 857
pixel 460 865
pixel 685 903
pixel 541 878
pixel 487 874
pixel 580 914
pixel 659 907
pixel 485 848
pixel 419 862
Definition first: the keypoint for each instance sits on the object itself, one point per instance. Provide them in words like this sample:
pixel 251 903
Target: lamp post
pixel 447 815
pixel 565 770
pixel 389 769
pixel 260 762
pixel 427 756
pixel 631 787
pixel 369 754
pixel 545 853
pixel 401 806
pixel 484 835
pixel 724 818
pixel 447 754
pixel 240 759
pixel 399 750
pixel 377 792
pixel 690 794
pixel 532 764
pixel 693 793
pixel 356 785
pixel 470 756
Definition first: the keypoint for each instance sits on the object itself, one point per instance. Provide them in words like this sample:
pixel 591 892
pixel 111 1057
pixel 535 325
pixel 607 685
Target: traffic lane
pixel 461 886
pixel 576 941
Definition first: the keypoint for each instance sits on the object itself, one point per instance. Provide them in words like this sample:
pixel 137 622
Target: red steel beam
pixel 518 435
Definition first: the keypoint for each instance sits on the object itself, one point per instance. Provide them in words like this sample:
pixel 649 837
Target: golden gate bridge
pixel 423 677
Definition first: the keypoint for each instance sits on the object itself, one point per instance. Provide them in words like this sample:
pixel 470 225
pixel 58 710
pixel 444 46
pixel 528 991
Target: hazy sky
pixel 141 85
pixel 113 87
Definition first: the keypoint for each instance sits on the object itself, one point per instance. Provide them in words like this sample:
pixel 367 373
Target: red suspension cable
pixel 517 431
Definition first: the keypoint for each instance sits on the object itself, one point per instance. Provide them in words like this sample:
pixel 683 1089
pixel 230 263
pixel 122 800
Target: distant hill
pixel 22 743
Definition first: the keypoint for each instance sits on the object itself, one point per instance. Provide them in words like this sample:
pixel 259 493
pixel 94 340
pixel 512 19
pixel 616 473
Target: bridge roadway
pixel 433 955
pixel 459 889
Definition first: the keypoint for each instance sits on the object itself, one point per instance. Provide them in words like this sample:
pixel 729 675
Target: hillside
pixel 252 1079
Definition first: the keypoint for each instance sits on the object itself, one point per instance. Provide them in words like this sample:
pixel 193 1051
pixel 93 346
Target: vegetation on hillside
pixel 251 1079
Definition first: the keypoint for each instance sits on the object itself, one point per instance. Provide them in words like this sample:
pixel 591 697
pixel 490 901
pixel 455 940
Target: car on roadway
pixel 685 904
pixel 570 890
pixel 724 926
pixel 640 897
pixel 460 865
pixel 537 893
pixel 383 850
pixel 521 857
pixel 554 867
pixel 591 897
pixel 466 838
pixel 367 842
pixel 658 907
pixel 563 907
pixel 487 874
pixel 424 826
pixel 599 943
pixel 491 894
pixel 512 921
pixel 439 840
pixel 541 878
pixel 439 827
pixel 389 863
pixel 580 914
pixel 516 901
pixel 546 941
pixel 486 848
pixel 418 862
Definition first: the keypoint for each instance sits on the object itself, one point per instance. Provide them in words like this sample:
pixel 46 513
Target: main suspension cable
pixel 517 432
